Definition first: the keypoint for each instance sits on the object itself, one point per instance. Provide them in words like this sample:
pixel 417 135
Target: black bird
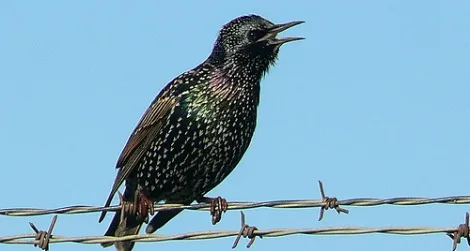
pixel 198 127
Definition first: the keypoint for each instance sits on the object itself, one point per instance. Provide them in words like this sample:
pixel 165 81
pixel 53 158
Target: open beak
pixel 276 29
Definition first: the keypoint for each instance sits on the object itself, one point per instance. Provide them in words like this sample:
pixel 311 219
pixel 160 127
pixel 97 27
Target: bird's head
pixel 250 41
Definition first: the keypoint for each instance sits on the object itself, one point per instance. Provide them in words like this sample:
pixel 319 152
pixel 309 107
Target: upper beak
pixel 277 28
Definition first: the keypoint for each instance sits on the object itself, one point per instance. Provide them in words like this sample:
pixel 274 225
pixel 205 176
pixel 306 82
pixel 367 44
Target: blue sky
pixel 374 103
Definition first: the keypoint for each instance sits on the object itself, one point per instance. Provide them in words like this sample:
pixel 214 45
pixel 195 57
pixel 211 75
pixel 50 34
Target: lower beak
pixel 276 29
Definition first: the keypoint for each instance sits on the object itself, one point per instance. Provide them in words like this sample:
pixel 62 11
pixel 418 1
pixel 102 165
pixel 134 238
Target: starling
pixel 198 127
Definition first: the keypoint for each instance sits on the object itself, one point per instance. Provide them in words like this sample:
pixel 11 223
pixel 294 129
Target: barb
pixel 329 203
pixel 245 231
pixel 29 238
pixel 359 202
pixel 462 231
pixel 42 238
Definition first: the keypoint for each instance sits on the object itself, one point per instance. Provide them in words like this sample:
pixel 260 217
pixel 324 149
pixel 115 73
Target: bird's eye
pixel 254 35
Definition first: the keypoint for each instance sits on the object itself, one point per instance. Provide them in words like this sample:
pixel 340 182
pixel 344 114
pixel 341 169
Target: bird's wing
pixel 151 121
pixel 141 138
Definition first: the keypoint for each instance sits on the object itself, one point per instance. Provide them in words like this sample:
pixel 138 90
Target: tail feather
pixel 112 228
pixel 130 226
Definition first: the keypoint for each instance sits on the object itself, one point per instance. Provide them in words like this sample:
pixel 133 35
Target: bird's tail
pixel 129 226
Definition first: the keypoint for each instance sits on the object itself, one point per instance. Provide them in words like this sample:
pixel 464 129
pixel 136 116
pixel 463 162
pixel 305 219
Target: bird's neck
pixel 237 77
pixel 245 70
pixel 241 65
pixel 233 84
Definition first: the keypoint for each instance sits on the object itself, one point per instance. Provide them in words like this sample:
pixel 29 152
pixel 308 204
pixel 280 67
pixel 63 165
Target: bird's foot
pixel 140 207
pixel 144 205
pixel 218 206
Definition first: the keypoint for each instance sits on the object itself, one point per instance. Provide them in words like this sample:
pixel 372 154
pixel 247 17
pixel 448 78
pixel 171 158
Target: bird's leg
pixel 218 206
pixel 144 205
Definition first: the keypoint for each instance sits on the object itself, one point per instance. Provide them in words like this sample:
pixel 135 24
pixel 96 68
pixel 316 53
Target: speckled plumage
pixel 199 126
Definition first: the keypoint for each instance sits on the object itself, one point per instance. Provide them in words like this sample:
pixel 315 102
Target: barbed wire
pixel 325 203
pixel 246 231
pixel 357 202
pixel 20 239
pixel 43 238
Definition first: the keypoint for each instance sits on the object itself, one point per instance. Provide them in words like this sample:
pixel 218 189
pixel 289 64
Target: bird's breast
pixel 201 142
pixel 228 117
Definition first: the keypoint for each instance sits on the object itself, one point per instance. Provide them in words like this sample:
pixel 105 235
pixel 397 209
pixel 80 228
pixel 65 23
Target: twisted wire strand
pixel 359 202
pixel 203 235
